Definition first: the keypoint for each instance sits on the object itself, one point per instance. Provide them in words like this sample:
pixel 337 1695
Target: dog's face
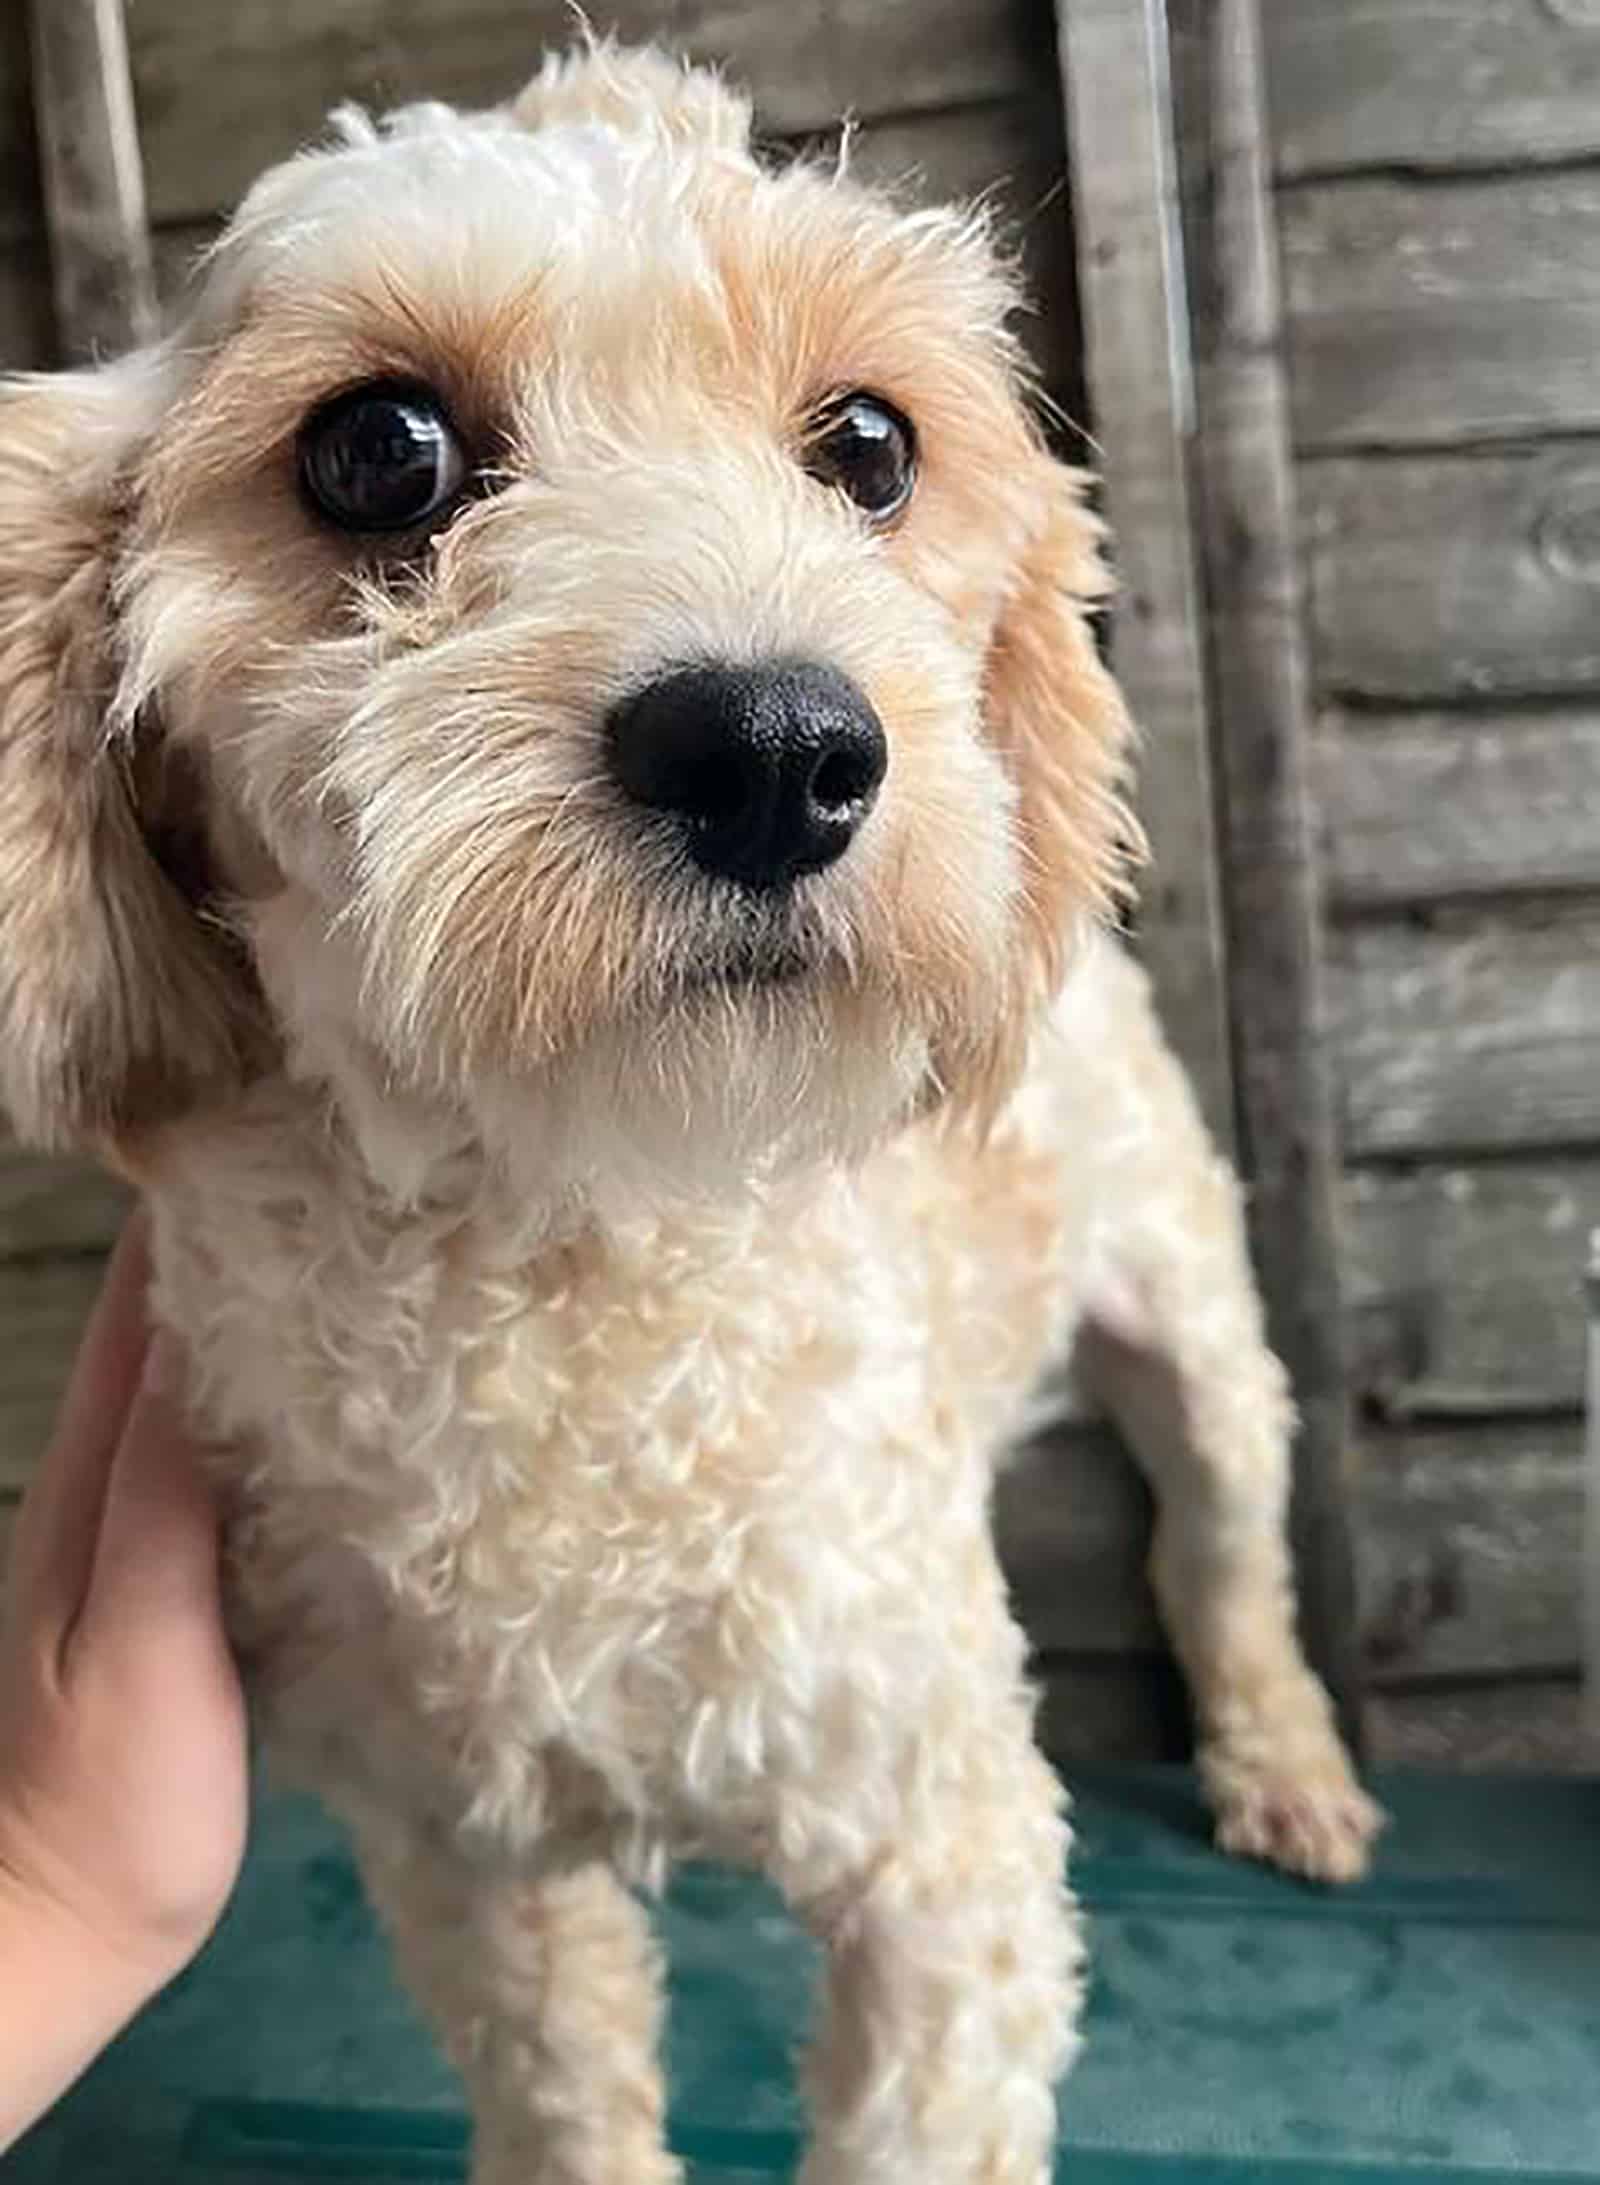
pixel 575 636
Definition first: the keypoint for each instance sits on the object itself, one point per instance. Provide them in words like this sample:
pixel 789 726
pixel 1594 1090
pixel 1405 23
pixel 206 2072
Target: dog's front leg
pixel 953 1970
pixel 545 1991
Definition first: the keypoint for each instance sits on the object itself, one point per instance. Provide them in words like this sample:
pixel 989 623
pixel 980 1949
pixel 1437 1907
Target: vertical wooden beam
pixel 92 176
pixel 1591 1497
pixel 1260 688
pixel 1125 209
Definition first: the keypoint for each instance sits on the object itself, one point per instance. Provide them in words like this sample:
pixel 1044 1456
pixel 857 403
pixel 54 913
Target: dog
pixel 561 819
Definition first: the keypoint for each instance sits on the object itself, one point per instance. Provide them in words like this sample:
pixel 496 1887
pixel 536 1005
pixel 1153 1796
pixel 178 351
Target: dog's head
pixel 574 634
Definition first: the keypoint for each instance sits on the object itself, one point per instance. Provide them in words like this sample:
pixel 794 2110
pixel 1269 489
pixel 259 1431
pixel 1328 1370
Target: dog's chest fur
pixel 608 1536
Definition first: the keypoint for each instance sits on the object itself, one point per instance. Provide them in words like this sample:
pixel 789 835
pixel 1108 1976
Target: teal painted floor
pixel 1442 2022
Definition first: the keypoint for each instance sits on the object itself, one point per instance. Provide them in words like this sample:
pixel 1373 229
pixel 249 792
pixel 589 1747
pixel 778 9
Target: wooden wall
pixel 1438 203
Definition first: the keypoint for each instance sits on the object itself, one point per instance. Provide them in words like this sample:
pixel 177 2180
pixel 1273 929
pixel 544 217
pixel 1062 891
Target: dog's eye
pixel 865 447
pixel 381 457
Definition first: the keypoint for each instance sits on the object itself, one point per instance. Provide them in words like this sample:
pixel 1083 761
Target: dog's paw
pixel 1314 1821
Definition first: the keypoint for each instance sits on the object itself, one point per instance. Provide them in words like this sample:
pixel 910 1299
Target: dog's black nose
pixel 770 769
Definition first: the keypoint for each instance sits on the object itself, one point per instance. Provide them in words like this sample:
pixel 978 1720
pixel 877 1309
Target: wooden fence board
pixel 1110 1713
pixel 1415 807
pixel 1462 1286
pixel 1445 576
pixel 1432 83
pixel 1127 216
pixel 1442 312
pixel 55 1206
pixel 21 213
pixel 1011 154
pixel 1478 1037
pixel 1261 707
pixel 1470 1552
pixel 1534 1726
pixel 92 178
pixel 271 69
pixel 1072 1520
pixel 27 321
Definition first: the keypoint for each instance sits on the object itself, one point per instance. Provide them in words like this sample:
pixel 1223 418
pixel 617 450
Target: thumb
pixel 157 1561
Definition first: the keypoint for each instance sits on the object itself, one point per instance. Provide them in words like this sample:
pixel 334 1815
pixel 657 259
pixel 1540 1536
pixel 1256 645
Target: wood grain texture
pixel 1443 312
pixel 55 1206
pixel 27 315
pixel 1478 1036
pixel 1462 1287
pixel 272 69
pixel 93 178
pixel 1535 1726
pixel 1438 577
pixel 1418 807
pixel 1126 215
pixel 21 210
pixel 1010 154
pixel 1470 1553
pixel 1072 1521
pixel 43 1306
pixel 1262 709
pixel 1110 1713
pixel 1436 84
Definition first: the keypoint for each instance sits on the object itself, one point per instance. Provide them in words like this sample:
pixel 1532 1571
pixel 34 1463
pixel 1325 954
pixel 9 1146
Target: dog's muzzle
pixel 769 771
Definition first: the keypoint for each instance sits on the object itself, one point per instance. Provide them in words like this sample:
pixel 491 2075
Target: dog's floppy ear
pixel 637 91
pixel 1058 718
pixel 116 1007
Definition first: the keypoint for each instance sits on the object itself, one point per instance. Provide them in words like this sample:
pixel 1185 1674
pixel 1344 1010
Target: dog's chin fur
pixel 755 1056
pixel 734 1086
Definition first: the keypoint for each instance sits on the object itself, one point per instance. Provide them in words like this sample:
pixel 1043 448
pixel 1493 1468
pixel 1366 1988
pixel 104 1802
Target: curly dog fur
pixel 608 1289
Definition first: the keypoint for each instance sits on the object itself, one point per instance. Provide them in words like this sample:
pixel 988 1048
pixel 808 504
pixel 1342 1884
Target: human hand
pixel 123 1782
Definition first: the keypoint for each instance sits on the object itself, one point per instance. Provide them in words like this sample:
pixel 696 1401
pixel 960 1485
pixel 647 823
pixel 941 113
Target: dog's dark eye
pixel 865 447
pixel 381 457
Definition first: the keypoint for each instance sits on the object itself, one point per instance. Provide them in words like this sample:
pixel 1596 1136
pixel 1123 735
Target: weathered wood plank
pixel 1072 1521
pixel 1448 576
pixel 27 317
pixel 1462 1287
pixel 271 69
pixel 1533 1727
pixel 43 1306
pixel 55 1206
pixel 1261 696
pixel 1432 83
pixel 1470 1550
pixel 1126 214
pixel 1414 807
pixel 1442 312
pixel 21 212
pixel 1109 1713
pixel 1478 1036
pixel 92 175
pixel 1012 154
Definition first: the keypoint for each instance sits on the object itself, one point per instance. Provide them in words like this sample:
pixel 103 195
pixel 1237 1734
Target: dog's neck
pixel 403 1166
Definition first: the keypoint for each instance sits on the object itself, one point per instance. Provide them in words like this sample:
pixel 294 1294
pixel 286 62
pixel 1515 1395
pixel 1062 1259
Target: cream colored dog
pixel 556 813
